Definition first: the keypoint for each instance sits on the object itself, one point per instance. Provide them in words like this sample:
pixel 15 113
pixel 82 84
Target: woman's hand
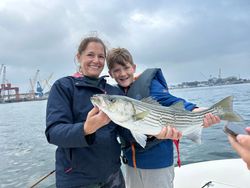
pixel 95 120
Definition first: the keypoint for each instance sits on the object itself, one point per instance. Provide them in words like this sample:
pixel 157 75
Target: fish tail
pixel 228 114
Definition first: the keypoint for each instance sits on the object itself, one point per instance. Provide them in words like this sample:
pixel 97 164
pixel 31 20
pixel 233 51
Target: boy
pixel 155 162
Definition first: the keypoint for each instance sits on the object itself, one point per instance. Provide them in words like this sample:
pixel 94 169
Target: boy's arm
pixel 162 95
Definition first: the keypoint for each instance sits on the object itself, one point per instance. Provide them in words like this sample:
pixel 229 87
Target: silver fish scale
pixel 154 118
pixel 162 116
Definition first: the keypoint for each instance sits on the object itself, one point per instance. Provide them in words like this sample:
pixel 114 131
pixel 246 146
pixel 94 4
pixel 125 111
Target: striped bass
pixel 148 117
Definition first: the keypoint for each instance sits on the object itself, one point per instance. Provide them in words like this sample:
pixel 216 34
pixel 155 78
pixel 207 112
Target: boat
pixel 225 173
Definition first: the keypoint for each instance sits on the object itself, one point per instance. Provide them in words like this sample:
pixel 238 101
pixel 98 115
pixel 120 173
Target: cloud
pixel 186 39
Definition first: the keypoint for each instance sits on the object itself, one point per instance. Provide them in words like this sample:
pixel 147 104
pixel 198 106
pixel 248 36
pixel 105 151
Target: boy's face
pixel 123 75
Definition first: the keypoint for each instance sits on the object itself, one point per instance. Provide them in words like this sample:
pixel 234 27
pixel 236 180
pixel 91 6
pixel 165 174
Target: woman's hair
pixel 83 45
pixel 120 56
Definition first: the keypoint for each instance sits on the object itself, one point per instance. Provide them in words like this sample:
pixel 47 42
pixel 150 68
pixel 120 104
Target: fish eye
pixel 112 100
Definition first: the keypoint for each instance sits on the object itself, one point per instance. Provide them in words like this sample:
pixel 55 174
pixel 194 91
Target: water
pixel 25 153
pixel 26 156
pixel 215 144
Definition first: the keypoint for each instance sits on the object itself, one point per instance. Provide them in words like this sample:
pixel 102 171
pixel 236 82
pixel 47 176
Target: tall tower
pixel 219 76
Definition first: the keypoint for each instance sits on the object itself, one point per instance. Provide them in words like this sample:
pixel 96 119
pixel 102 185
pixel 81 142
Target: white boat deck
pixel 226 173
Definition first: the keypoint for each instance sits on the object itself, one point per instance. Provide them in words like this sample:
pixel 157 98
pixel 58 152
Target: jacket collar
pixel 85 81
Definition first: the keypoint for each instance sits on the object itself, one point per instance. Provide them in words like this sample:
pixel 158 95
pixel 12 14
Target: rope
pixel 176 142
pixel 133 155
pixel 211 183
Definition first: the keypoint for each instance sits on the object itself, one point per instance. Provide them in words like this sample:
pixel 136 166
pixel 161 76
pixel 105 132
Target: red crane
pixel 7 86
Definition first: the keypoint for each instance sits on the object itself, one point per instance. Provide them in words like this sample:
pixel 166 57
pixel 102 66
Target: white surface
pixel 231 172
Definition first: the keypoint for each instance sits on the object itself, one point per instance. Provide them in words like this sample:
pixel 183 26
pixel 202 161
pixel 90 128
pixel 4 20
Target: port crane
pixel 3 70
pixel 38 87
pixel 6 86
pixel 33 83
pixel 46 82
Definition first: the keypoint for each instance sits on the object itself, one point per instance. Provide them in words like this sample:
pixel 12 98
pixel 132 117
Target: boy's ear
pixel 110 74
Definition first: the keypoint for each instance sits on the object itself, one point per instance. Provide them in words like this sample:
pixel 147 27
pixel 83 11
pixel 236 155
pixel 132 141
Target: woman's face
pixel 92 60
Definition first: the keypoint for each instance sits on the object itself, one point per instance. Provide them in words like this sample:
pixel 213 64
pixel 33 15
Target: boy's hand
pixel 169 133
pixel 209 118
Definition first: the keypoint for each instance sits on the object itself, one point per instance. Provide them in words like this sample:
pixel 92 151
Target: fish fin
pixel 150 100
pixel 226 105
pixel 140 115
pixel 140 138
pixel 195 136
pixel 179 105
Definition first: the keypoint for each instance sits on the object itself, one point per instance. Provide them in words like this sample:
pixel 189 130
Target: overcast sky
pixel 190 40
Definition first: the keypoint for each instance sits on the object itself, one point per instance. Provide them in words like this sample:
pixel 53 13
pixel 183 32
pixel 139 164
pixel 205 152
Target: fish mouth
pixel 95 100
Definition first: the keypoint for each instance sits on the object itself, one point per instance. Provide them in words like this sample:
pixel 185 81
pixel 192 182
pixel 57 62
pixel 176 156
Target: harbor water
pixel 26 156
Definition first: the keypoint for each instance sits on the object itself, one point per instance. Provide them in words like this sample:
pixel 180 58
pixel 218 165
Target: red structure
pixel 8 88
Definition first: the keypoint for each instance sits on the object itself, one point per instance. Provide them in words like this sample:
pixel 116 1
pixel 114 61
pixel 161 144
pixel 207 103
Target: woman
pixel 88 154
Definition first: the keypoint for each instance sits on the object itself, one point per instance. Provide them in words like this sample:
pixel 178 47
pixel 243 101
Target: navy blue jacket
pixel 80 160
pixel 159 154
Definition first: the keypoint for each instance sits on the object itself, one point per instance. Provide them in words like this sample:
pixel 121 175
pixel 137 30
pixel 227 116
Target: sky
pixel 189 40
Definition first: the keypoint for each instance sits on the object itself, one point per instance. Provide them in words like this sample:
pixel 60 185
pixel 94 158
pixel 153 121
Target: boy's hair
pixel 119 56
